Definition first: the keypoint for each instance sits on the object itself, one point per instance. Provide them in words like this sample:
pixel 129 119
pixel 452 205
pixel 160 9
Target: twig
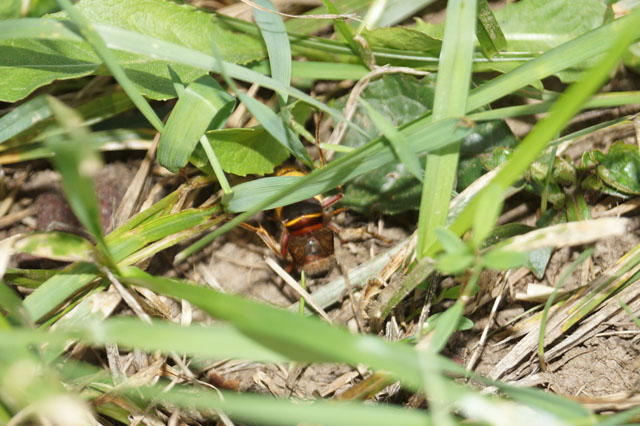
pixel 297 288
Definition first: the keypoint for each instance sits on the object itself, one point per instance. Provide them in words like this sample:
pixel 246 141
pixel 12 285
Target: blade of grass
pixel 488 31
pixel 452 89
pixel 396 139
pixel 163 336
pixel 202 105
pixel 276 39
pixel 561 112
pixel 345 32
pixel 76 160
pixel 300 338
pixel 96 42
pixel 12 305
pixel 23 117
pixel 545 312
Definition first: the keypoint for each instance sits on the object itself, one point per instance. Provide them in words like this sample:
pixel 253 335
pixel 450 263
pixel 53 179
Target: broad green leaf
pixel 538 25
pixel 106 55
pixel 402 38
pixel 10 9
pixel 620 168
pixel 56 245
pixel 391 189
pixel 276 39
pixel 203 105
pixel 488 31
pixel 28 64
pixel 243 151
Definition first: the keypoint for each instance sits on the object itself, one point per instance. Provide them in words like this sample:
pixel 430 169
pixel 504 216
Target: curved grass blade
pixel 23 117
pixel 488 31
pixel 202 105
pixel 396 139
pixel 276 38
pixel 76 160
pixel 215 341
pixel 299 338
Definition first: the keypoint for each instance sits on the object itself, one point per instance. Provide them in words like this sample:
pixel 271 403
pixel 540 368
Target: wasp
pixel 306 231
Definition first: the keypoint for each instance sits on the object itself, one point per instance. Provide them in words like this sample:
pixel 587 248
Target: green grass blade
pixel 264 410
pixel 12 305
pixel 58 289
pixel 345 32
pixel 452 89
pixel 488 31
pixel 195 340
pixel 56 245
pixel 76 160
pixel 396 139
pixel 95 40
pixel 23 117
pixel 203 105
pixel 561 112
pixel 299 338
pixel 276 39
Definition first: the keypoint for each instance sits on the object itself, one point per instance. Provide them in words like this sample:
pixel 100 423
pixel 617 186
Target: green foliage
pixel 243 151
pixel 32 63
pixel 400 120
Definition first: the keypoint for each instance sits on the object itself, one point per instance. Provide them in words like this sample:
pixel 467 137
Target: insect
pixel 306 232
